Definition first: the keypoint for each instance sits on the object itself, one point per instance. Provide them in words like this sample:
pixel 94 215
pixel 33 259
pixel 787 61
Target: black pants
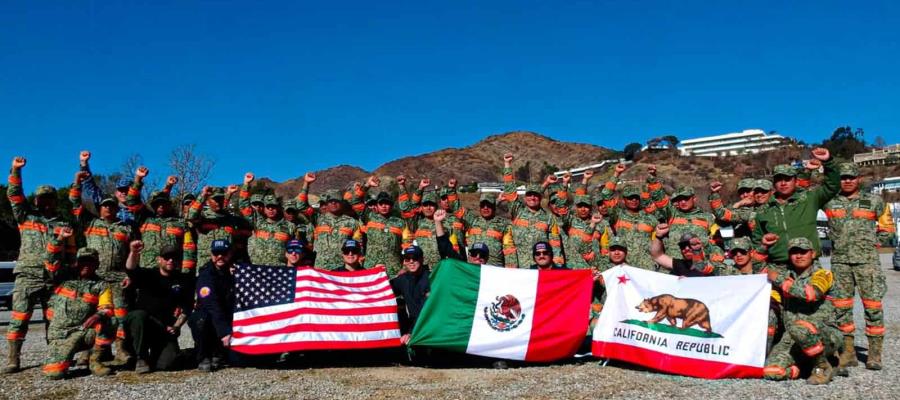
pixel 151 341
pixel 207 342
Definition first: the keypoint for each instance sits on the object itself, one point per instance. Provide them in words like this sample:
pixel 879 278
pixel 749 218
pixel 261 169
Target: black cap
pixel 169 251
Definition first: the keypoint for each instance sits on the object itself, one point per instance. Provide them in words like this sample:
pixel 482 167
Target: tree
pixel 191 168
pixel 523 173
pixel 631 150
pixel 879 142
pixel 845 142
pixel 672 140
pixel 548 169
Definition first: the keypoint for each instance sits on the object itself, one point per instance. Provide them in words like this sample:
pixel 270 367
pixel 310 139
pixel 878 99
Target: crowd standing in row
pixel 127 276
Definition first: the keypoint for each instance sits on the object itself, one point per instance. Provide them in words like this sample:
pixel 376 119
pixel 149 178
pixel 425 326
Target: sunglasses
pixel 409 258
pixel 348 252
pixel 219 253
pixel 477 254
pixel 294 251
pixel 173 257
pixel 542 253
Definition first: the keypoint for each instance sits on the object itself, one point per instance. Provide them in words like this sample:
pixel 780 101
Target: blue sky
pixel 280 88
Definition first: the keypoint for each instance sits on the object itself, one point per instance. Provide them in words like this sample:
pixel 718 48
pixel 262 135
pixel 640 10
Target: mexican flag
pixel 707 327
pixel 515 314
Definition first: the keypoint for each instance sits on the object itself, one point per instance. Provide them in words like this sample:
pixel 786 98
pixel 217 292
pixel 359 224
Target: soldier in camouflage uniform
pixel 630 217
pixel 810 329
pixel 331 227
pixel 449 201
pixel 422 228
pixel 270 230
pixel 189 260
pixel 860 222
pixel 212 222
pixel 302 227
pixel 37 226
pixel 493 230
pixel 587 235
pixel 740 213
pixel 744 264
pixel 530 222
pixel 80 306
pixel 383 233
pixel 256 202
pixel 159 225
pixel 683 216
pixel 109 236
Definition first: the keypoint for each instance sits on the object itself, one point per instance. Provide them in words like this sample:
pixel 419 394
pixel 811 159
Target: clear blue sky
pixel 280 88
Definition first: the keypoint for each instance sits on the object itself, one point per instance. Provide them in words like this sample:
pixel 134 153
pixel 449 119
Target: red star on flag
pixel 623 279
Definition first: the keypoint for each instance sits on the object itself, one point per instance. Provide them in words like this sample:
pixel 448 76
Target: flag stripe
pixel 695 367
pixel 389 296
pixel 264 318
pixel 339 289
pixel 277 348
pixel 360 284
pixel 343 294
pixel 561 314
pixel 319 337
pixel 446 319
pixel 294 328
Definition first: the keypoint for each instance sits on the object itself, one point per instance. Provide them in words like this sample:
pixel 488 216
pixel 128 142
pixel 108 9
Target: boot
pixel 848 356
pixel 874 361
pixel 141 367
pixel 83 359
pixel 123 357
pixel 822 372
pixel 15 352
pixel 97 367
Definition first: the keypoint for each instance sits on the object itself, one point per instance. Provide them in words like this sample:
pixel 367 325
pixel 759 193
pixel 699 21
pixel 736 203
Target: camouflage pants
pixel 802 339
pixel 120 308
pixel 27 293
pixel 870 281
pixel 773 326
pixel 62 350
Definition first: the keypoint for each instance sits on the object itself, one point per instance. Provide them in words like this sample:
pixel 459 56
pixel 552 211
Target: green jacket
pixel 797 216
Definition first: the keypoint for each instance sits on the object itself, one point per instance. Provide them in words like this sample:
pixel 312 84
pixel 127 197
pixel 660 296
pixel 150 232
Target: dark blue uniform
pixel 211 321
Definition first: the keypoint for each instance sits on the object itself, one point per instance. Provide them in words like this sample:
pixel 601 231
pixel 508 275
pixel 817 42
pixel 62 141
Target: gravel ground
pixel 577 380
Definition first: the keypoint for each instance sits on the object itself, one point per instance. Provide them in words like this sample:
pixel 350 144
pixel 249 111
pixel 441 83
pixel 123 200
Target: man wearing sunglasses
pixel 164 299
pixel 478 254
pixel 531 223
pixel 411 288
pixel 693 250
pixel 297 254
pixel 542 254
pixel 351 252
pixel 211 320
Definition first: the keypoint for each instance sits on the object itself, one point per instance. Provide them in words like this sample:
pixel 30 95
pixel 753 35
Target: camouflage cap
pixel 188 197
pixel 370 199
pixel 631 191
pixel 785 169
pixel 800 243
pixel 384 197
pixel 445 191
pixel 271 200
pixel 331 195
pixel 848 169
pixel 290 205
pixel 430 197
pixel 87 252
pixel 684 191
pixel 45 190
pixel 109 200
pixel 746 183
pixel 582 199
pixel 256 199
pixel 763 184
pixel 534 188
pixel 488 197
pixel 741 243
pixel 617 241
pixel 217 192
pixel 159 196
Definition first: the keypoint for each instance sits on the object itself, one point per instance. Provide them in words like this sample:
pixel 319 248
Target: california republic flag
pixel 709 327
pixel 516 314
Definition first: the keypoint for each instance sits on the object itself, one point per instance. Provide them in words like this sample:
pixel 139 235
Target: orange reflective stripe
pixel 261 234
pixel 395 230
pixel 810 292
pixel 102 342
pixel 494 234
pixel 323 229
pixel 423 233
pixel 33 226
pixel 555 243
pixel 808 325
pixel 875 330
pixel 229 230
pixel 52 267
pixel 814 350
pixel 244 194
pixel 520 222
pixel 727 215
pixel 473 231
pixel 175 231
pixel 90 298
pixel 49 313
pixel 120 312
pixel 403 197
pixel 188 264
pixel 794 371
pixel 678 221
pixel 716 203
pixel 717 257
pixel 770 331
pixel 506 178
pixel 20 316
pixel 93 231
pixel 282 237
pixel 508 251
pixel 786 285
pixel 700 222
pixel 14 180
pixel 345 231
pixel 774 370
pixel 375 225
pixel 15 335
pixel 16 198
pixel 541 226
pixel 847 328
pixel 54 248
pixel 120 236
pixel 65 292
pixel 148 227
pixel 864 214
pixel 55 368
pixel 832 213
pixel 457 225
pixel 871 304
pixel 842 303
pixel 585 237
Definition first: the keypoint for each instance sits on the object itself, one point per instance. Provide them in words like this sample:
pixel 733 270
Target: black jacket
pixel 413 290
pixel 215 296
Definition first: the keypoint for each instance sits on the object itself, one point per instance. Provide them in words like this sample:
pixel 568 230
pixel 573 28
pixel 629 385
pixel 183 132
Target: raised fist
pixel 508 158
pixel 81 176
pixel 309 177
pixel 84 156
pixel 620 168
pixel 232 189
pixel 248 178
pixel 651 169
pixel 596 218
pixel 440 215
pixel 401 180
pixel 18 162
pixel 550 179
pixel 769 239
pixel 589 174
pixel 424 183
pixel 66 232
pixel 662 230
pixel 821 154
pixel 452 183
pixel 373 181
pixel 567 177
pixel 136 246
pixel 812 164
pixel 206 191
pixel 171 180
pixel 715 186
pixel 142 172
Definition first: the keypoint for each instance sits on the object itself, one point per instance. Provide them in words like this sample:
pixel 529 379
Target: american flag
pixel 283 309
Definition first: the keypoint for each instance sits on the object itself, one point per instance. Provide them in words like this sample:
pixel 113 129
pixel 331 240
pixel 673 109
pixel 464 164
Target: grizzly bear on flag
pixel 690 311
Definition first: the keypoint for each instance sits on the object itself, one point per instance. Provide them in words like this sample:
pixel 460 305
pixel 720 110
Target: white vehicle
pixel 822 228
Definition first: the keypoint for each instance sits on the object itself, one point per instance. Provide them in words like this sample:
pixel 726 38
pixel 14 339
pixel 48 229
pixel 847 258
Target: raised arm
pixel 14 192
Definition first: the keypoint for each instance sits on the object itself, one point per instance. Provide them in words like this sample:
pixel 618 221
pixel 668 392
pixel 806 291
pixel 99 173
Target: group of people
pixel 123 275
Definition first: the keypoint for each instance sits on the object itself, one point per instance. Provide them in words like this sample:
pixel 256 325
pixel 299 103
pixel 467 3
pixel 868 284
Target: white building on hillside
pixel 749 141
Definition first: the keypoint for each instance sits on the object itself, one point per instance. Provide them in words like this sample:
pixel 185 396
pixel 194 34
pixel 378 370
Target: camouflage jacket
pixel 859 224
pixel 109 238
pixel 35 231
pixel 740 218
pixel 210 225
pixel 636 230
pixel 496 233
pixel 698 222
pixel 155 231
pixel 266 243
pixel 383 241
pixel 804 295
pixel 73 302
pixel 585 246
pixel 530 226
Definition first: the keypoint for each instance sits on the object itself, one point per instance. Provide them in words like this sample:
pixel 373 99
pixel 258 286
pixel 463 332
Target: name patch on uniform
pixel 204 291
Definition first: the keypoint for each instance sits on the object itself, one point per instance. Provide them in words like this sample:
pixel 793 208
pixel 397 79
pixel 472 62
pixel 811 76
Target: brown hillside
pixel 331 178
